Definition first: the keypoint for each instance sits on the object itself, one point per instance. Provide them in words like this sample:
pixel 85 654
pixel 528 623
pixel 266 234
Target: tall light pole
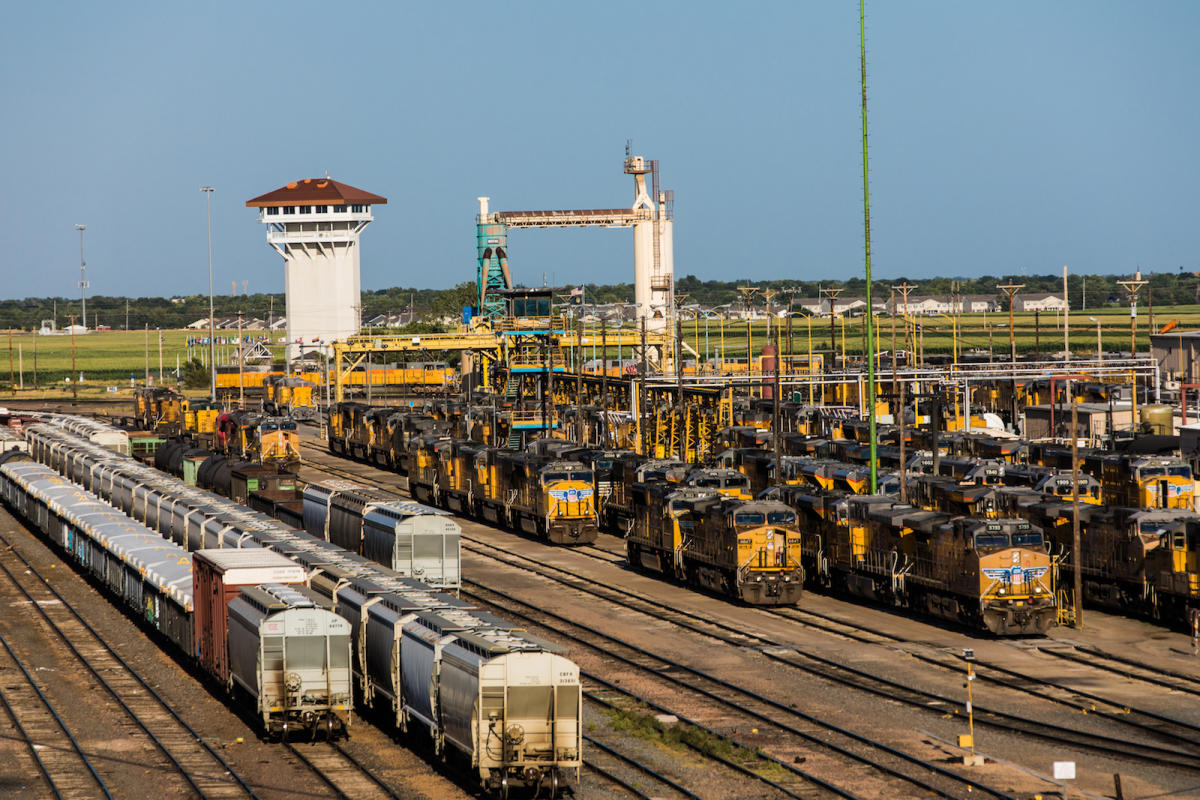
pixel 83 284
pixel 1099 350
pixel 212 332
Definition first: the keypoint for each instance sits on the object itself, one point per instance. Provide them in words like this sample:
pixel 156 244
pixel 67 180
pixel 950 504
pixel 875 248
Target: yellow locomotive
pixel 549 497
pixel 258 438
pixel 290 395
pixel 1142 481
pixel 989 573
pixel 1145 561
pixel 748 550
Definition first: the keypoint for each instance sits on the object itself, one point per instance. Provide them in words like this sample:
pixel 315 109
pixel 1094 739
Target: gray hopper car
pixel 292 655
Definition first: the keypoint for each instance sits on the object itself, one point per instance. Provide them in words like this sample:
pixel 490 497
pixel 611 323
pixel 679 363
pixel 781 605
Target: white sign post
pixel 1064 771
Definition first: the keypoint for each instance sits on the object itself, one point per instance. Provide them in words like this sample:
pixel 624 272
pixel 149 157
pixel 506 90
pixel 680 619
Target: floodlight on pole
pixel 212 361
pixel 83 284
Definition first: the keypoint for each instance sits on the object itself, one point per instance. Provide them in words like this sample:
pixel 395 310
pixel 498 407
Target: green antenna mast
pixel 862 46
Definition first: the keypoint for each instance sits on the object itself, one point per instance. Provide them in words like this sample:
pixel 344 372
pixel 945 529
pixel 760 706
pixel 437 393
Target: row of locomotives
pixel 1133 560
pixel 159 409
pixel 626 470
pixel 549 497
pixel 379 435
pixel 746 550
pixel 1139 481
pixel 290 395
pixel 257 437
pixel 988 573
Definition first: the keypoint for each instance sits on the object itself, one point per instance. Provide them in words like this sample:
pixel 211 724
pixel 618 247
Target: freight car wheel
pixel 553 784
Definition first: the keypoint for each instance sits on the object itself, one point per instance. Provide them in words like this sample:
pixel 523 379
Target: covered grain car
pixel 292 655
pixel 505 701
pixel 414 539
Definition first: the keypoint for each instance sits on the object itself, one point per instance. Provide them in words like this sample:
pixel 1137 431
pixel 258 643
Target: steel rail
pixel 766 701
pixel 33 746
pixel 643 768
pixel 191 780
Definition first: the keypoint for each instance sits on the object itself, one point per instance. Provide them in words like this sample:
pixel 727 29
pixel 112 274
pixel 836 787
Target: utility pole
pixel 74 374
pixel 1132 286
pixel 832 294
pixel 241 365
pixel 1066 317
pixel 1011 290
pixel 870 329
pixel 12 372
pixel 83 284
pixel 147 353
pixel 642 391
pixel 160 363
pixel 904 289
pixel 747 293
pixel 1075 541
pixel 126 313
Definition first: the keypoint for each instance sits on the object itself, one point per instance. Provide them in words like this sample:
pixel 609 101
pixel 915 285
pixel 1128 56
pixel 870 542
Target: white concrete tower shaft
pixel 653 247
pixel 315 225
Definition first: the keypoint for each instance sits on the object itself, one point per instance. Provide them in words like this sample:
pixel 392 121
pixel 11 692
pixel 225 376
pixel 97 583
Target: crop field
pixel 110 358
pixel 979 332
pixel 105 358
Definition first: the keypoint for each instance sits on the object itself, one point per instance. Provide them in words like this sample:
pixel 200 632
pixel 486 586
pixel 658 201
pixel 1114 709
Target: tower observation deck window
pixel 318 209
pixel 339 209
pixel 272 210
pixel 357 209
pixel 305 209
pixel 289 209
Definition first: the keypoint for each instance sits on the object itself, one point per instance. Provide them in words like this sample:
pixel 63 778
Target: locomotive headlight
pixel 1001 592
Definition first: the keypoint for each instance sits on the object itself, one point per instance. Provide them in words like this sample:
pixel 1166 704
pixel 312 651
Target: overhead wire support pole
pixel 1133 286
pixel 862 43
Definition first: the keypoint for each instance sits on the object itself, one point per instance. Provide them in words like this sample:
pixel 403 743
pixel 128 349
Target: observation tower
pixel 315 224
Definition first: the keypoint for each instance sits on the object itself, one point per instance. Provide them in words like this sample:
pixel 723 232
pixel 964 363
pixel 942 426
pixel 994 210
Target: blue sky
pixel 1003 135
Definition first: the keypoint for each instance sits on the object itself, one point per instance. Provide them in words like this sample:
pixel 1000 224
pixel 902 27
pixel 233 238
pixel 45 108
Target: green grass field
pixel 106 358
pixel 1030 334
pixel 109 358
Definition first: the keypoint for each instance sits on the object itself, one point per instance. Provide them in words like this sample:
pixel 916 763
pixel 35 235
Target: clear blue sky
pixel 1004 135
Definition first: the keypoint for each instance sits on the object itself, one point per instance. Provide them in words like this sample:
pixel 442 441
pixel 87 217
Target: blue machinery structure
pixel 491 234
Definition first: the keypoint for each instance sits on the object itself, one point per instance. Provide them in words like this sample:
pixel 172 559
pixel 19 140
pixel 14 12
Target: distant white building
pixel 1040 301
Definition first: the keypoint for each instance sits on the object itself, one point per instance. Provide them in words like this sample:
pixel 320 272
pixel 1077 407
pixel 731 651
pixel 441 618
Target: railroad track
pixel 67 770
pixel 1181 734
pixel 613 766
pixel 746 709
pixel 342 772
pixel 196 761
pixel 1146 723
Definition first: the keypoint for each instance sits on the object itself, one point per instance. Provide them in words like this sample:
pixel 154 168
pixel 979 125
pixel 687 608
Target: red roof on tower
pixel 316 191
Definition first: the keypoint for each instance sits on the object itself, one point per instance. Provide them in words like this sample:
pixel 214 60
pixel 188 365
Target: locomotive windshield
pixel 287 426
pixel 749 518
pixel 1027 539
pixel 781 517
pixel 992 539
pixel 1182 471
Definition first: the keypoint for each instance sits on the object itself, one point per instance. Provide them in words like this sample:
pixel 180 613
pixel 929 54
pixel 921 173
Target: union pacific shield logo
pixel 570 495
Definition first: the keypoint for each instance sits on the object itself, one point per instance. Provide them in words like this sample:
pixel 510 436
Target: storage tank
pixel 1157 418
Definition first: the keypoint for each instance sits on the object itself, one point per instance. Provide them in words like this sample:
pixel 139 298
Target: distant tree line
pixel 1166 288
